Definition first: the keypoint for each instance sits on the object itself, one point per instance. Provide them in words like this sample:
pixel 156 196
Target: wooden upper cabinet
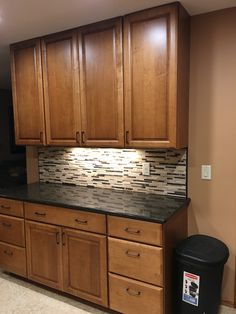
pixel 152 107
pixel 61 88
pixel 27 93
pixel 85 265
pixel 101 69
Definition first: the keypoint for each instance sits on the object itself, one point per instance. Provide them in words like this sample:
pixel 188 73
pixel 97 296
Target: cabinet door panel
pixel 27 93
pixel 102 84
pixel 150 77
pixel 44 254
pixel 85 265
pixel 61 88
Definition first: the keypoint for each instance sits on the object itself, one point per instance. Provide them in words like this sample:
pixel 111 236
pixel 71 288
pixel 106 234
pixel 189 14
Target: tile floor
pixel 20 297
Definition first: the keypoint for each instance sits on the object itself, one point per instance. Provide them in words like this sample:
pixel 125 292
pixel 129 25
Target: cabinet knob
pixel 8 253
pixel 82 222
pixel 6 224
pixel 40 214
pixel 58 237
pixel 5 207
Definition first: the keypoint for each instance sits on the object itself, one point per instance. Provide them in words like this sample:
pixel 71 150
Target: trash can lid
pixel 203 249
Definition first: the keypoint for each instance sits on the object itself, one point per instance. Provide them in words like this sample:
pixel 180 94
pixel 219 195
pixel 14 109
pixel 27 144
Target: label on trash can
pixel 191 285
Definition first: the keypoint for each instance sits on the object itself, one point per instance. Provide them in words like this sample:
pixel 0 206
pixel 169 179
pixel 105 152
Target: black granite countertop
pixel 149 207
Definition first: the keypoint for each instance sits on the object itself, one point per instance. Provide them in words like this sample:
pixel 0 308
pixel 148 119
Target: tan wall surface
pixel 213 132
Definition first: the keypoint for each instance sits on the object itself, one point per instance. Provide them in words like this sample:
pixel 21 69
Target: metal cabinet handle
pixel 127 137
pixel 6 224
pixel 8 253
pixel 133 293
pixel 77 136
pixel 132 231
pixel 5 207
pixel 41 137
pixel 40 214
pixel 81 222
pixel 58 237
pixel 132 254
pixel 63 239
pixel 82 137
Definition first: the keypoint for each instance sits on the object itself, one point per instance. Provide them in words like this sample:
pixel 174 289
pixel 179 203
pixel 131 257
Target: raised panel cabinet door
pixel 150 67
pixel 61 88
pixel 44 254
pixel 101 78
pixel 85 265
pixel 26 72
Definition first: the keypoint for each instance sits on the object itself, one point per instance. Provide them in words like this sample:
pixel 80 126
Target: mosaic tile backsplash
pixel 119 169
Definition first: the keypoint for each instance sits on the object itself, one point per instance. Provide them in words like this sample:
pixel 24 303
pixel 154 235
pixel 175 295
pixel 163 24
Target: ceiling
pixel 24 19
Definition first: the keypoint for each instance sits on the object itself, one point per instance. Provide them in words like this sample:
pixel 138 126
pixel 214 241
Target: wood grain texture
pixel 11 207
pixel 135 230
pixel 85 265
pixel 12 230
pixel 13 259
pixel 61 88
pixel 66 217
pixel 32 164
pixel 44 254
pixel 135 260
pixel 101 64
pixel 133 297
pixel 28 104
pixel 150 39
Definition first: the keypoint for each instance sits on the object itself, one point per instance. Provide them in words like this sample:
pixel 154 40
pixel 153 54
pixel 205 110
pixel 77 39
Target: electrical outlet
pixel 146 169
pixel 206 172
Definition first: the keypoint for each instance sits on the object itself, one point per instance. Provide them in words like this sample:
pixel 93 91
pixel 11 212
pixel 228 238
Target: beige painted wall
pixel 213 132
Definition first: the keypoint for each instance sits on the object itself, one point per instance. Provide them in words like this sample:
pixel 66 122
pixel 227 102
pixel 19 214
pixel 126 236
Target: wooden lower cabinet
pixel 129 296
pixel 44 251
pixel 85 265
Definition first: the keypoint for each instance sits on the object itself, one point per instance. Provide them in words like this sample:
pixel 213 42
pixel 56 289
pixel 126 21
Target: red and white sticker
pixel 191 286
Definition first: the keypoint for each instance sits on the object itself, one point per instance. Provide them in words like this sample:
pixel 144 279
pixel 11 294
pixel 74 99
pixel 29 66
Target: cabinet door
pixel 150 44
pixel 27 93
pixel 61 88
pixel 44 254
pixel 85 265
pixel 100 48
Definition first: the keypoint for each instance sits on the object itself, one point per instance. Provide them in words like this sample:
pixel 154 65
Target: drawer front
pixel 11 207
pixel 12 230
pixel 135 260
pixel 66 217
pixel 133 297
pixel 136 230
pixel 13 259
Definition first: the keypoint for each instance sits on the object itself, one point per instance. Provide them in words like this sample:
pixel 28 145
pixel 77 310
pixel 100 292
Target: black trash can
pixel 199 265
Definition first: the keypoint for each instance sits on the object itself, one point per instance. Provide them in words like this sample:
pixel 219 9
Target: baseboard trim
pixel 228 303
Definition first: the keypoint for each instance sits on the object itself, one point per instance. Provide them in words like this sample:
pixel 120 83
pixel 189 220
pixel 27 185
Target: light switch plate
pixel 146 169
pixel 206 172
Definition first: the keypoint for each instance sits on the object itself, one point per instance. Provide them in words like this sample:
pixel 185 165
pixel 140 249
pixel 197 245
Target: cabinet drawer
pixel 66 217
pixel 135 260
pixel 133 297
pixel 12 259
pixel 136 230
pixel 11 207
pixel 12 230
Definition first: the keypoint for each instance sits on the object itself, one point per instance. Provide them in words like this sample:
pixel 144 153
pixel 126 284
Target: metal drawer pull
pixel 132 254
pixel 8 253
pixel 63 239
pixel 5 224
pixel 5 207
pixel 132 231
pixel 40 214
pixel 133 292
pixel 82 222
